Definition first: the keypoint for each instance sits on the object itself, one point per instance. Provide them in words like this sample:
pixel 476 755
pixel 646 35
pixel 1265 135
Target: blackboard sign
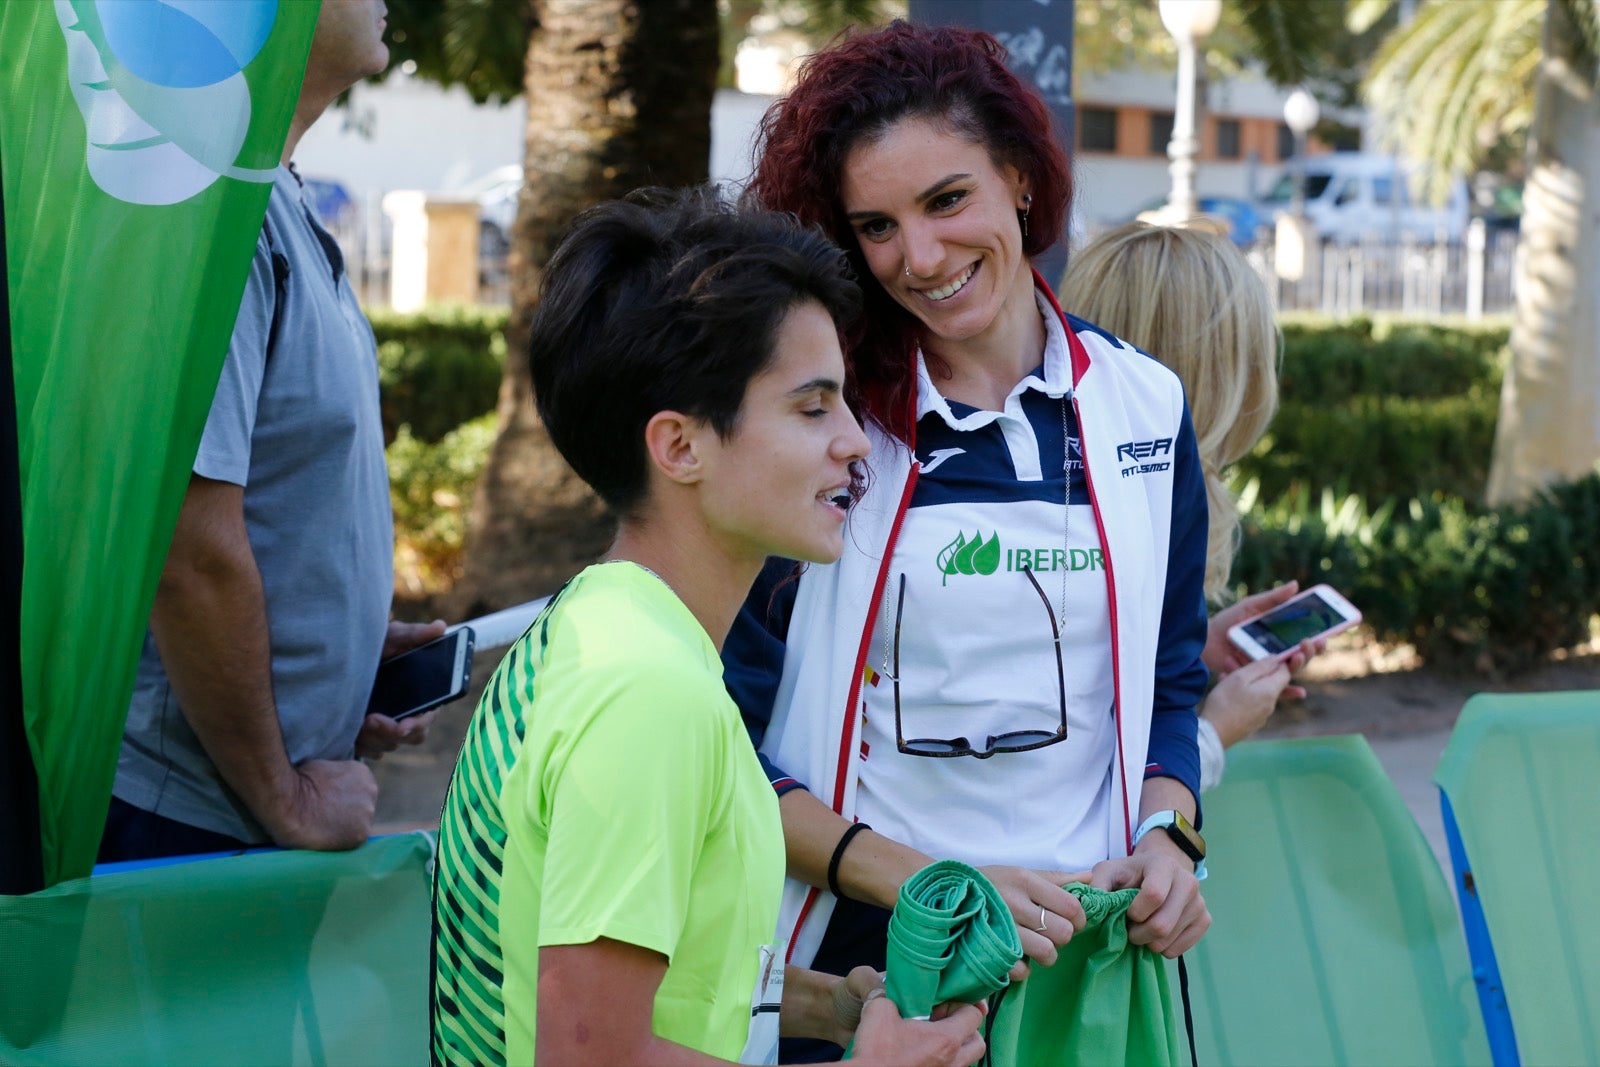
pixel 1038 36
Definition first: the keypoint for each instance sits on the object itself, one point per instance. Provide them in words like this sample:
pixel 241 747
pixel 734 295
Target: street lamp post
pixel 1300 112
pixel 1188 21
pixel 1295 253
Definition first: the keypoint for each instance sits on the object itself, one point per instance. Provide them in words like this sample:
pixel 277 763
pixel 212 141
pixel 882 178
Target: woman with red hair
pixel 1004 667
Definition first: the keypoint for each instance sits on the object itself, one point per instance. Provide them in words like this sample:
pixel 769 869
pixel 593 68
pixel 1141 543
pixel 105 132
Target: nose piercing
pixel 908 270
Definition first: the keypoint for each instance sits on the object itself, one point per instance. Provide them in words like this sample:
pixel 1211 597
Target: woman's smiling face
pixel 936 221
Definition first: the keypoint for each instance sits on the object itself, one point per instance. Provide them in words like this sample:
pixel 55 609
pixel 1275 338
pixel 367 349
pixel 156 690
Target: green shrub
pixel 1328 362
pixel 1378 446
pixel 1382 408
pixel 1487 590
pixel 431 486
pixel 438 368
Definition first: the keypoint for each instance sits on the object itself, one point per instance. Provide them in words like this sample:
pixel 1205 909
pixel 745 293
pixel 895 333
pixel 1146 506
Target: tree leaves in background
pixel 1291 37
pixel 817 20
pixel 480 45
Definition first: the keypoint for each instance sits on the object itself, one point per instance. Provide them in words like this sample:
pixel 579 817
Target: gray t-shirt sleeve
pixel 224 454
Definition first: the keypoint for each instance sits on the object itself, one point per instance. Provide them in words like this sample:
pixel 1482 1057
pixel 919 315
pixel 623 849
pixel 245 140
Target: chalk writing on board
pixel 1050 64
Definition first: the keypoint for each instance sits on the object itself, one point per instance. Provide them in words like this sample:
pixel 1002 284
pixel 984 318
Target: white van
pixel 1352 196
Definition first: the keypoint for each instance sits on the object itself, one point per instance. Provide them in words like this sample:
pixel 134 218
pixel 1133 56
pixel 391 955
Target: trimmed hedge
pixel 1379 446
pixel 439 368
pixel 1382 408
pixel 1326 362
pixel 1491 591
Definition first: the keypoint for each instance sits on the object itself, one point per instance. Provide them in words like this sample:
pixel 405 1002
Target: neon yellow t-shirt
pixel 606 788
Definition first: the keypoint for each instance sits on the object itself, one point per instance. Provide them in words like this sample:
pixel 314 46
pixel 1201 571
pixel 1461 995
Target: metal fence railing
pixel 1471 277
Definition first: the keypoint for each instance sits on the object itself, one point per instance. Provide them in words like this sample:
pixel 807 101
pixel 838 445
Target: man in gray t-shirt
pixel 272 612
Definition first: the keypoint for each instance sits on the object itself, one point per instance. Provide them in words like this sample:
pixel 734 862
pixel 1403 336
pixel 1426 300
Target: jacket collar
pixel 1065 360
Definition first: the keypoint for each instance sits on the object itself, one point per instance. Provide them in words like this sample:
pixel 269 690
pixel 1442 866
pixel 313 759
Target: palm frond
pixel 1458 76
pixel 1361 15
pixel 485 45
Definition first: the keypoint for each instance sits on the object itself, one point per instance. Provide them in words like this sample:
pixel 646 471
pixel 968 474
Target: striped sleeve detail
pixel 467 1005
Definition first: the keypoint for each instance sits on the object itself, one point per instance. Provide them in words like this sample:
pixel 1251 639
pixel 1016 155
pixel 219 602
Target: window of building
pixel 1160 132
pixel 1228 140
pixel 1097 129
pixel 1285 141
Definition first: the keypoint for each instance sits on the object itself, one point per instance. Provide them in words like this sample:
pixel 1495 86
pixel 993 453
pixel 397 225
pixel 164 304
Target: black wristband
pixel 838 854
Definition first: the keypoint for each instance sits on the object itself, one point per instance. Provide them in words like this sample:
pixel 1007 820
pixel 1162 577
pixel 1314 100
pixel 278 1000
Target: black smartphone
pixel 424 677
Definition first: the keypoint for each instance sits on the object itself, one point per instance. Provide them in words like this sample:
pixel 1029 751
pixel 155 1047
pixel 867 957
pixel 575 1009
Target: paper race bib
pixel 762 1044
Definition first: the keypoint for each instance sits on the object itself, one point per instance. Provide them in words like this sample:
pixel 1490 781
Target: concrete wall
pixel 411 134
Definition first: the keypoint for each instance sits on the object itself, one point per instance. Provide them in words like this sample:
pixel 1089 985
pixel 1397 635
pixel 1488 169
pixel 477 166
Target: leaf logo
pixel 161 87
pixel 976 556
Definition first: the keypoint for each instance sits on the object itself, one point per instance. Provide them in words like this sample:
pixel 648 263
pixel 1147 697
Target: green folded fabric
pixel 1103 1001
pixel 951 937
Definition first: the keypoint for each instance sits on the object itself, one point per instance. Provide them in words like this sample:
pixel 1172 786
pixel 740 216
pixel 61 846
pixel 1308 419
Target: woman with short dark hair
pixel 610 855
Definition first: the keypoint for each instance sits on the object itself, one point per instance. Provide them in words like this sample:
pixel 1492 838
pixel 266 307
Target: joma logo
pixel 1137 450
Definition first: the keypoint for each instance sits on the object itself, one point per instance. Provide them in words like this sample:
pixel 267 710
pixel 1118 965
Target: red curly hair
pixel 854 91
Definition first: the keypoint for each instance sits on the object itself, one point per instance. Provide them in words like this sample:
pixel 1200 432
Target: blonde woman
pixel 1188 296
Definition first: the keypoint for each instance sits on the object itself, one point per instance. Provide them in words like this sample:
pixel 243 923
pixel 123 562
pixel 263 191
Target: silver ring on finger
pixel 1042 920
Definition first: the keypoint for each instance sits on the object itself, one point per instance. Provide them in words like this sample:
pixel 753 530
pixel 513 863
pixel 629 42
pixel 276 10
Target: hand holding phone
pixel 423 678
pixel 1318 612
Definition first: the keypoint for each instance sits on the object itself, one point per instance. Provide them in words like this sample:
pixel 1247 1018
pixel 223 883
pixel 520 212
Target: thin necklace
pixel 1066 510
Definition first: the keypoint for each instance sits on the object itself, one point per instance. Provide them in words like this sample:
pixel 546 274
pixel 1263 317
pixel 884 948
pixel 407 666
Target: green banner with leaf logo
pixel 138 140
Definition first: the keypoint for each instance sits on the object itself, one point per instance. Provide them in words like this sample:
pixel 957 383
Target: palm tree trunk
pixel 1549 428
pixel 619 96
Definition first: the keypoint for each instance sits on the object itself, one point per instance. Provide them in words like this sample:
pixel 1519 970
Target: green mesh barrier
pixel 276 958
pixel 1335 939
pixel 1520 772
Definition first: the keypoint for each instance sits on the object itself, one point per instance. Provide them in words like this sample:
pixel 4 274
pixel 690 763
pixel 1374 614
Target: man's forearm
pixel 210 626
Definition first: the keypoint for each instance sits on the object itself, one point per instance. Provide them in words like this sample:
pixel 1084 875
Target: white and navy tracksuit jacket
pixel 805 658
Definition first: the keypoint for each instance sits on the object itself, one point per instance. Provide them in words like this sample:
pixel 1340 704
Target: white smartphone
pixel 423 677
pixel 1318 612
